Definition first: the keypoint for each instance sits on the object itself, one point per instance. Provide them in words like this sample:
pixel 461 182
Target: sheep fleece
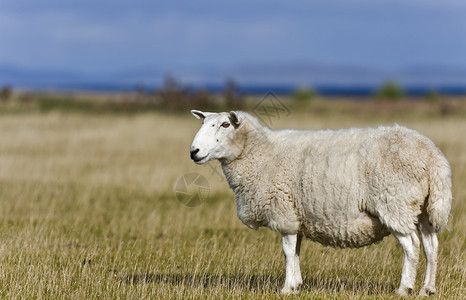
pixel 344 188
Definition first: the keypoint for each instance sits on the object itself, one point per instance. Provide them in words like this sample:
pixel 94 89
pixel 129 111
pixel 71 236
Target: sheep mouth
pixel 198 160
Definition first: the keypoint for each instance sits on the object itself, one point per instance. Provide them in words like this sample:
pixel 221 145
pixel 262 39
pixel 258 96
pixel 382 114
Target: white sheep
pixel 344 188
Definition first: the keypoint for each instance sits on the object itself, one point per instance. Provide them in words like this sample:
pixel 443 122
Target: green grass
pixel 88 210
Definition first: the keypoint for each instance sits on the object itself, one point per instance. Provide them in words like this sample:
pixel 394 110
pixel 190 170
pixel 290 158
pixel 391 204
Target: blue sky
pixel 98 37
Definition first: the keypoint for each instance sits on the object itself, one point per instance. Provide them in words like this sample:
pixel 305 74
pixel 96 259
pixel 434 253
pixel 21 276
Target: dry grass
pixel 88 210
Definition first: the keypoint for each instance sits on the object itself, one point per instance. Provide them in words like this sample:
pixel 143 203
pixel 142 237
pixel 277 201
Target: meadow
pixel 88 210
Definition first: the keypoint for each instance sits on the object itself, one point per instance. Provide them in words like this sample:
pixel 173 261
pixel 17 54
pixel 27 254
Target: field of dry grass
pixel 88 210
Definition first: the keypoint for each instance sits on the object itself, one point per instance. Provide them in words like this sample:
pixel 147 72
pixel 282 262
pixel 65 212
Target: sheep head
pixel 218 136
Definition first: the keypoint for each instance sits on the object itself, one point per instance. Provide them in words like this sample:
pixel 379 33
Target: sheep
pixel 343 188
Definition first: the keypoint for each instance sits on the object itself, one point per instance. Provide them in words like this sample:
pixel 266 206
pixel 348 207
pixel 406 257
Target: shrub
pixel 175 97
pixel 233 99
pixel 5 93
pixel 390 90
pixel 304 94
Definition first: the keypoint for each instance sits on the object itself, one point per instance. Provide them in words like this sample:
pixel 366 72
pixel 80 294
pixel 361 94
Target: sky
pixel 185 37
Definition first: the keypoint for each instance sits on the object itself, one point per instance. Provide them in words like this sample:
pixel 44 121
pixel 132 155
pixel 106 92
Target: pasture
pixel 88 210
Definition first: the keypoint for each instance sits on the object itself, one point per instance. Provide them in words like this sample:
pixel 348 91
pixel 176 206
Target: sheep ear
pixel 234 118
pixel 198 114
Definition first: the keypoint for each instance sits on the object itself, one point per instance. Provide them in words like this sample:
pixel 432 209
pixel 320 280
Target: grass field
pixel 88 210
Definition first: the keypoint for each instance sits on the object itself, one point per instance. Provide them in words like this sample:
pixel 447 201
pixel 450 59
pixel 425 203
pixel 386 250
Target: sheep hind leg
pixel 430 243
pixel 291 248
pixel 411 246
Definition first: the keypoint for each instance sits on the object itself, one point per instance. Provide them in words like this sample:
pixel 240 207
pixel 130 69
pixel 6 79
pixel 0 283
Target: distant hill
pixel 252 78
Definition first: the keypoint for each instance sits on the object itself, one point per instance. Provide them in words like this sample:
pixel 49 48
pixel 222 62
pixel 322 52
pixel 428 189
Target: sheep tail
pixel 440 197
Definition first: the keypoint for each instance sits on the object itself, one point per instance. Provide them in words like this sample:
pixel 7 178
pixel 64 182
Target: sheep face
pixel 216 139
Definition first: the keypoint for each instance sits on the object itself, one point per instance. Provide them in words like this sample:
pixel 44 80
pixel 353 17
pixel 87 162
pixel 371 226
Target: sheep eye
pixel 225 124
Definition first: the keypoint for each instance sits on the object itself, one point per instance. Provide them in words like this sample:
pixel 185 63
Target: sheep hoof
pixel 404 291
pixel 426 291
pixel 290 290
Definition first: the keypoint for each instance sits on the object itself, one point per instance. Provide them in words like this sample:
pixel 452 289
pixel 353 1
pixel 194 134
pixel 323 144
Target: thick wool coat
pixel 344 188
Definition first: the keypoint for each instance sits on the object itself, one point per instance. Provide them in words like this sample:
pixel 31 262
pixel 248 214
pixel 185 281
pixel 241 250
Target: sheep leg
pixel 430 243
pixel 411 246
pixel 291 247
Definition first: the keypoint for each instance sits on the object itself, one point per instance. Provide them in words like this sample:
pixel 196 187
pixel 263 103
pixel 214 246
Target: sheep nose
pixel 193 152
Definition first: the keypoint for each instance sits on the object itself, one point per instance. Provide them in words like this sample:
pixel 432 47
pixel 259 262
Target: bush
pixel 174 97
pixel 304 94
pixel 233 99
pixel 5 93
pixel 390 90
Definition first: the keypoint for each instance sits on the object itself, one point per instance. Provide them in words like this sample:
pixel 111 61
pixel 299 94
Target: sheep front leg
pixel 291 246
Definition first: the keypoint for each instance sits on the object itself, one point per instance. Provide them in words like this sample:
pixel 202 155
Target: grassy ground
pixel 88 210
